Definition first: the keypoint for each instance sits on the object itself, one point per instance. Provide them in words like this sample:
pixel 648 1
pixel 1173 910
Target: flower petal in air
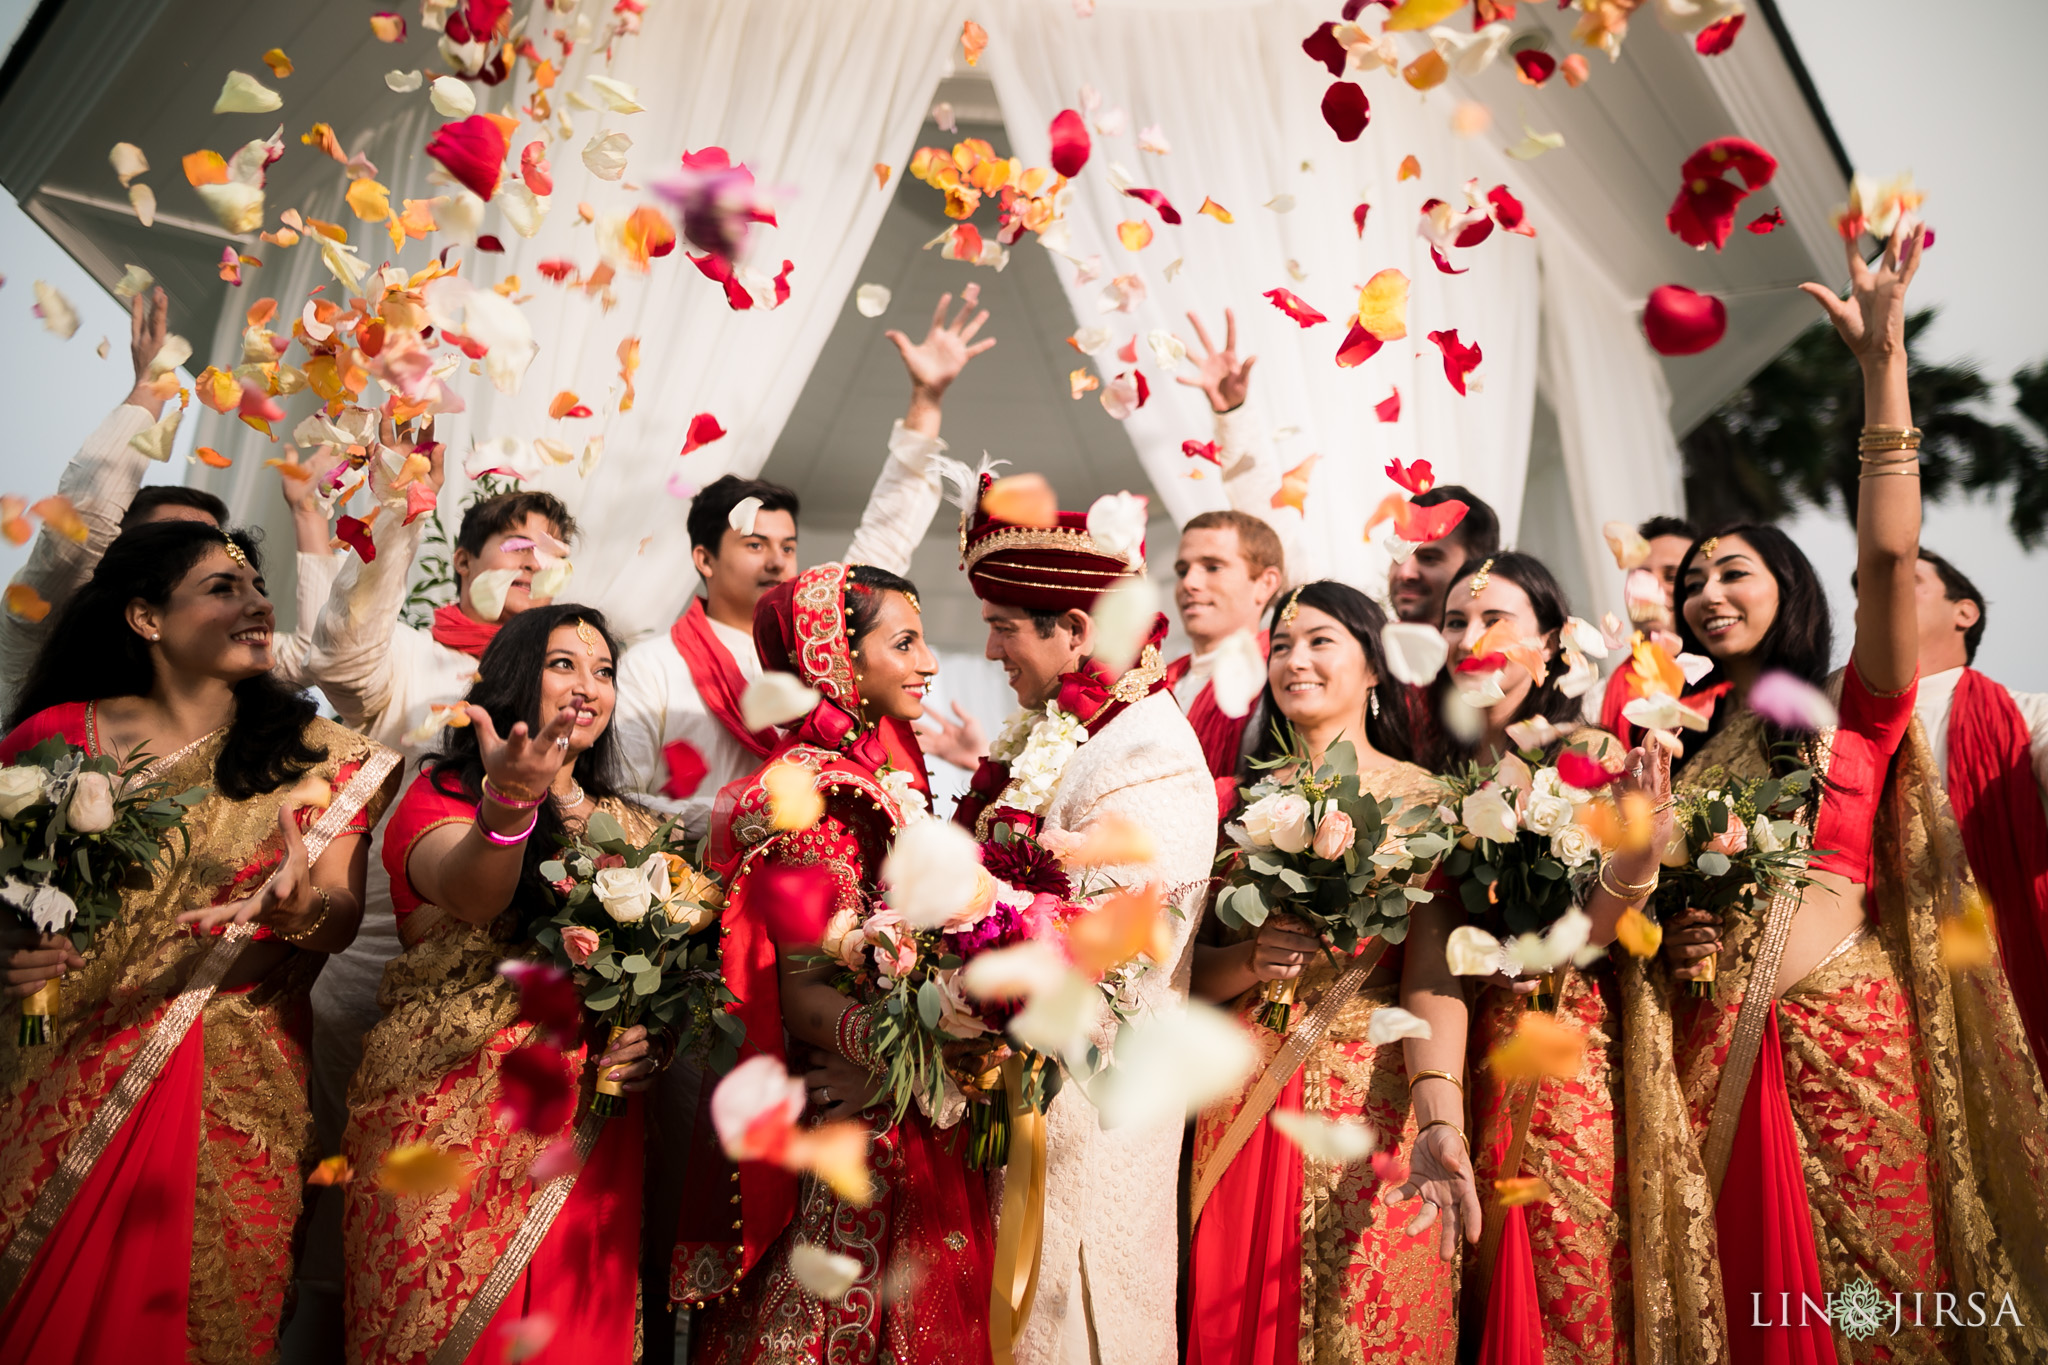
pixel 1459 361
pixel 704 429
pixel 1508 211
pixel 1718 37
pixel 1322 46
pixel 1428 71
pixel 1679 321
pixel 1533 143
pixel 1346 110
pixel 1580 770
pixel 1417 477
pixel 242 93
pixel 1070 143
pixel 1167 212
pixel 1469 54
pixel 421 1168
pixel 1415 653
pixel 1419 525
pixel 452 98
pixel 776 699
pixel 605 155
pixel 618 96
pixel 1767 222
pixel 473 151
pixel 1339 1143
pixel 1171 1063
pixel 1391 1023
pixel 387 27
pixel 1292 305
pixel 1791 703
pixel 1383 305
pixel 871 300
pixel 548 999
pixel 1533 66
pixel 1541 1046
pixel 1411 15
pixel 1630 550
pixel 973 40
pixel 1293 490
pixel 1358 346
pixel 1195 450
pixel 1388 409
pixel 1215 210
pixel 827 1274
pixel 1135 235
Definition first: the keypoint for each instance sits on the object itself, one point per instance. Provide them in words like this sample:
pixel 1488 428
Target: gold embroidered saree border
pixel 483 1305
pixel 166 1037
pixel 1300 1042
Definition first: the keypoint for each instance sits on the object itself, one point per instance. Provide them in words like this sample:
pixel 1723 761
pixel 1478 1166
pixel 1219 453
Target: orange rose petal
pixel 1114 931
pixel 26 603
pixel 335 1170
pixel 279 64
pixel 1523 1189
pixel 563 402
pixel 1082 381
pixel 1215 210
pixel 973 40
pixel 1427 72
pixel 1023 500
pixel 60 516
pixel 205 168
pixel 881 175
pixel 212 458
pixel 422 1169
pixel 1541 1046
pixel 1136 235
pixel 1638 933
pixel 1294 484
pixel 1411 169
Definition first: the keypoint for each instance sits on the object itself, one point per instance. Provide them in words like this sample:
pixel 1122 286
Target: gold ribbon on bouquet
pixel 1020 1234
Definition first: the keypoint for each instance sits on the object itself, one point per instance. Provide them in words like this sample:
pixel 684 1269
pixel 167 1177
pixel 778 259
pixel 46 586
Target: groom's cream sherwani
pixel 1111 1251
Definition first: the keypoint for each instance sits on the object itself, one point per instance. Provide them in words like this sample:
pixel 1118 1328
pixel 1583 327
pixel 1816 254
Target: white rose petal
pixel 871 300
pixel 1415 653
pixel 1172 1063
pixel 1116 524
pixel 933 871
pixel 828 1274
pixel 1694 667
pixel 618 96
pixel 142 199
pixel 523 209
pixel 1470 53
pixel 487 592
pixel 1022 971
pixel 1239 674
pixel 755 1089
pixel 128 161
pixel 452 98
pixel 242 93
pixel 1169 349
pixel 58 314
pixel 1123 621
pixel 1093 341
pixel 550 583
pixel 1061 1021
pixel 775 699
pixel 404 82
pixel 741 518
pixel 1392 1023
pixel 605 155
pixel 1471 951
pixel 1340 1143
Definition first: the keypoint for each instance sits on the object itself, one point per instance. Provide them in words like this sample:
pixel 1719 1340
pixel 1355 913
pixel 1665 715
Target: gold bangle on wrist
pixel 1881 473
pixel 1621 890
pixel 1439 1075
pixel 1444 1123
pixel 302 935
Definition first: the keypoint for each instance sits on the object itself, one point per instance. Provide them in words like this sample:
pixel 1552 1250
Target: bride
pixel 854 633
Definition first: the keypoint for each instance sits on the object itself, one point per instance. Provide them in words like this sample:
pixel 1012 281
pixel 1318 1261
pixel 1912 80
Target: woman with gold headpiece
pixel 1290 1259
pixel 923 1245
pixel 154 1151
pixel 445 1270
pixel 1549 1280
pixel 1844 1111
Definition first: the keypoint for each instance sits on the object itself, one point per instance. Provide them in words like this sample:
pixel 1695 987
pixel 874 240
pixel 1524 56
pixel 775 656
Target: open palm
pixel 937 361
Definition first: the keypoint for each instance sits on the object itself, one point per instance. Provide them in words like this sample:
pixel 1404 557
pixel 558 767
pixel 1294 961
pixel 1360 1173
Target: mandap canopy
pixel 1568 420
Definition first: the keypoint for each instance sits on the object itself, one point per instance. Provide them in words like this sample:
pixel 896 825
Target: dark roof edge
pixel 26 42
pixel 1785 45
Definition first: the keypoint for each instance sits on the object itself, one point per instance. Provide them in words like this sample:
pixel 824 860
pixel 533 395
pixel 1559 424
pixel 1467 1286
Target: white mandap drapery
pixel 812 97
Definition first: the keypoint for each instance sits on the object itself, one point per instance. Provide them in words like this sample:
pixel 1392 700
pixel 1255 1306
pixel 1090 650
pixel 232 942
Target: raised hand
pixel 148 329
pixel 1440 1172
pixel 1220 374
pixel 1647 772
pixel 936 362
pixel 961 742
pixel 522 765
pixel 1872 320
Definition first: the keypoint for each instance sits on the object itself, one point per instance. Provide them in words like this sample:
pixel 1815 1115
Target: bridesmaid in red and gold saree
pixel 1852 1114
pixel 924 1243
pixel 1550 1280
pixel 446 1276
pixel 1291 1260
pixel 153 1154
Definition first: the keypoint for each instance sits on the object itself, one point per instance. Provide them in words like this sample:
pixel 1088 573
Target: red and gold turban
pixel 1041 568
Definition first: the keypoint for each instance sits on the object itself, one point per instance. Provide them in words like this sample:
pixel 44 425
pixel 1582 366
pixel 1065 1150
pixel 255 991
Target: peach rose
pixel 579 943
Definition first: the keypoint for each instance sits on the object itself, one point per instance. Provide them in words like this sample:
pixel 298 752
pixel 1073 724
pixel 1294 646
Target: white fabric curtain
pixel 1240 103
pixel 811 97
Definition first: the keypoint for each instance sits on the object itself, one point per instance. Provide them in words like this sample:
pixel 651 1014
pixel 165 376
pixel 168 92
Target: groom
pixel 1108 1264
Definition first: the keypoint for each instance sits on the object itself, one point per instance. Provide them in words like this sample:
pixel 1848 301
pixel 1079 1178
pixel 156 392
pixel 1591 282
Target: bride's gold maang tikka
pixel 233 549
pixel 587 633
pixel 1293 605
pixel 1479 579
pixel 1707 548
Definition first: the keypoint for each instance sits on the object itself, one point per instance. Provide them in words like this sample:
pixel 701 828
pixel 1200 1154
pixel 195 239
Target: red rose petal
pixel 1509 211
pixel 704 429
pixel 1444 265
pixel 1586 773
pixel 1388 409
pixel 718 268
pixel 535 1087
pixel 686 770
pixel 1322 45
pixel 782 283
pixel 1535 67
pixel 1292 304
pixel 1767 222
pixel 1718 37
pixel 1144 389
pixel 1459 361
pixel 1346 110
pixel 1417 478
pixel 1679 321
pixel 548 999
pixel 1421 525
pixel 356 535
pixel 796 901
pixel 1358 346
pixel 1358 217
pixel 1202 450
pixel 534 169
pixel 473 151
pixel 1167 212
pixel 1724 154
pixel 1472 234
pixel 1069 143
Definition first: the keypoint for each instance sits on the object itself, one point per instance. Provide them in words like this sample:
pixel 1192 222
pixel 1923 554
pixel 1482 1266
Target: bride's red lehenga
pixel 924 1243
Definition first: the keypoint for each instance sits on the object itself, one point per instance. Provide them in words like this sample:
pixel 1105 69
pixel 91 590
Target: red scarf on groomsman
pixel 718 679
pixel 2005 832
pixel 1222 735
pixel 461 632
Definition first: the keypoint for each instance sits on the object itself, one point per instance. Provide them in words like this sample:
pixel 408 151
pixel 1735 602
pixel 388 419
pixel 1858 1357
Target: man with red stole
pixel 1106 1262
pixel 1990 748
pixel 681 734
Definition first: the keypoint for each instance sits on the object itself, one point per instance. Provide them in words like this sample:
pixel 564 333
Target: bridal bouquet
pixel 1315 845
pixel 75 829
pixel 1738 845
pixel 636 927
pixel 949 902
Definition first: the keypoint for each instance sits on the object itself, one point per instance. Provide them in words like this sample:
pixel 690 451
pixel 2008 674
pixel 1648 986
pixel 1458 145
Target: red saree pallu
pixel 1295 1257
pixel 440 1277
pixel 153 1154
pixel 1552 1281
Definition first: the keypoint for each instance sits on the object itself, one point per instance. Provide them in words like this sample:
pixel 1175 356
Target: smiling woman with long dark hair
pixel 183 1022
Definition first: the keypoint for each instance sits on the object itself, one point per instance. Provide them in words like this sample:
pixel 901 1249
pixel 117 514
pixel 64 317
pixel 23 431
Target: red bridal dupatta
pixel 442 1277
pixel 154 1154
pixel 929 1215
pixel 1879 1130
pixel 1295 1258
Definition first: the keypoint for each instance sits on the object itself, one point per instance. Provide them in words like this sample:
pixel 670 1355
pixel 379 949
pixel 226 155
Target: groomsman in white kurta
pixel 679 728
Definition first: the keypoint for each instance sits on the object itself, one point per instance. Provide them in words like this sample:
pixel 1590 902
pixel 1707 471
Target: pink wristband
pixel 506 840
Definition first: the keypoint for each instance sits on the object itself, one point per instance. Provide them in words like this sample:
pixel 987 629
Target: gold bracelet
pixel 302 935
pixel 1439 1075
pixel 1444 1123
pixel 1872 429
pixel 1621 890
pixel 1880 473
pixel 1905 455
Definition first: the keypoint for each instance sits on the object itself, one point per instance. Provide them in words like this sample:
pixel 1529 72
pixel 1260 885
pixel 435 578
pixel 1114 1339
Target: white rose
pixel 1763 838
pixel 91 808
pixel 1546 814
pixel 842 938
pixel 1278 821
pixel 21 786
pixel 1487 814
pixel 624 892
pixel 1572 845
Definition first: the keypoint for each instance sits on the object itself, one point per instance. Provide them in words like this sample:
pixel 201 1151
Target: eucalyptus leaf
pixel 1713 864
